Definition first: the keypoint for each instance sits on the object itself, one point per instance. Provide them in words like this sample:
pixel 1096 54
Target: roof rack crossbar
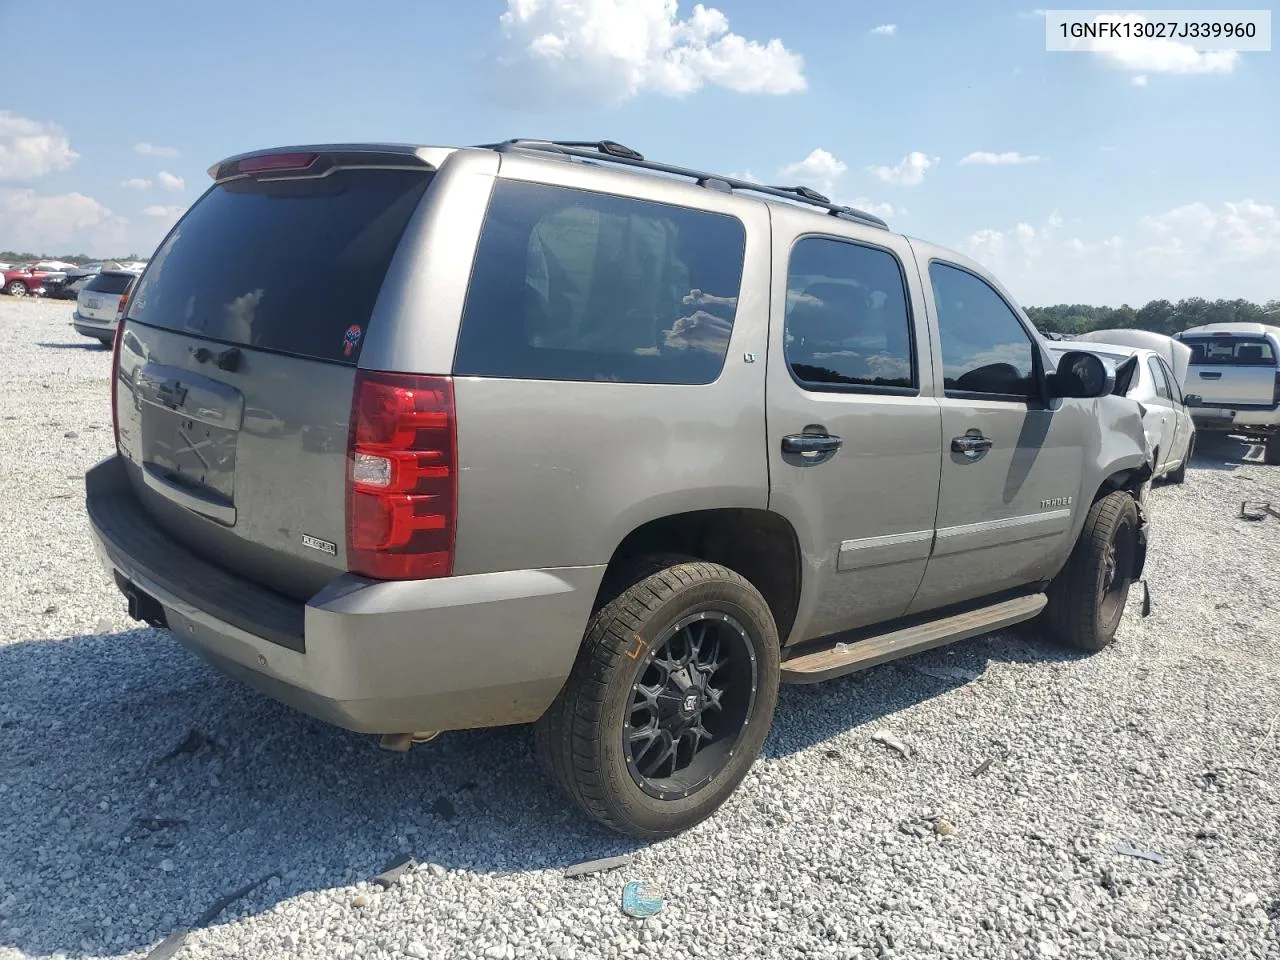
pixel 611 152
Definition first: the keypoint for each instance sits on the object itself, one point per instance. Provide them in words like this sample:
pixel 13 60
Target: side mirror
pixel 1081 374
pixel 1193 399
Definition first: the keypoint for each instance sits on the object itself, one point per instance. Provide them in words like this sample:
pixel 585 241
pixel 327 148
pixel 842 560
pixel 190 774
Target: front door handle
pixel 971 446
pixel 814 447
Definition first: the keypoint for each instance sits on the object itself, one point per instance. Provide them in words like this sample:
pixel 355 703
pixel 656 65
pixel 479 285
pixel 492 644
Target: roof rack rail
pixel 612 152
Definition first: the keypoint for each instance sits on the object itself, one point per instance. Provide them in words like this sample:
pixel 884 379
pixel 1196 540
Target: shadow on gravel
pixel 106 846
pixel 93 346
pixel 138 785
pixel 1221 452
pixel 809 715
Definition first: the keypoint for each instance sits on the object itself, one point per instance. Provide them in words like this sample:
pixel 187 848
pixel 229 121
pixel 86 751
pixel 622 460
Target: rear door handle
pixel 815 447
pixel 971 446
pixel 1210 375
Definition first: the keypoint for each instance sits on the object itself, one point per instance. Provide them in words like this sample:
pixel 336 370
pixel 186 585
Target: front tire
pixel 16 288
pixel 1087 599
pixel 669 701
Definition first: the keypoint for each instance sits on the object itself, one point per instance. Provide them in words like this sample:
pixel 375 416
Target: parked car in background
pixel 1156 386
pixel 99 303
pixel 30 280
pixel 75 282
pixel 424 438
pixel 1234 381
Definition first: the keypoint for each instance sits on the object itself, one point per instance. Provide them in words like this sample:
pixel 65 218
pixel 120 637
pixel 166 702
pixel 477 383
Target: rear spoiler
pixel 315 161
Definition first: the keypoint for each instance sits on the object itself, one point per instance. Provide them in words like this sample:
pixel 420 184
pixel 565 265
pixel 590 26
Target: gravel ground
pixel 1166 742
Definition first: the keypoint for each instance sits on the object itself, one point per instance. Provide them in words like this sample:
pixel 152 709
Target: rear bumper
pixel 370 656
pixel 98 329
pixel 1226 419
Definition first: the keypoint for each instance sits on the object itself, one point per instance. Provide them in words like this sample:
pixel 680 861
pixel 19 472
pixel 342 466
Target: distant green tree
pixel 1160 316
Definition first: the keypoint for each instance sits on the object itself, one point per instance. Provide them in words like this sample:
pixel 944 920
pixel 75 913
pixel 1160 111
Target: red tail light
pixel 402 477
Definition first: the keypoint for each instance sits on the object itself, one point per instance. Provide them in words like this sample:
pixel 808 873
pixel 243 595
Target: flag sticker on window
pixel 351 339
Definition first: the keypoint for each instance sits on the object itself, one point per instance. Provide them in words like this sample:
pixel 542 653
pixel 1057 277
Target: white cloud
pixel 31 149
pixel 1139 80
pixel 170 181
pixel 885 29
pixel 1191 238
pixel 164 212
pixel 151 150
pixel 1031 14
pixel 819 170
pixel 135 183
pixel 1192 250
pixel 908 173
pixel 1008 159
pixel 823 171
pixel 608 51
pixel 1155 55
pixel 69 221
pixel 871 206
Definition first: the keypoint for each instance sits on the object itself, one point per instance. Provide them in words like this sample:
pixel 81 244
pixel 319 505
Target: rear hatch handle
pixel 207 506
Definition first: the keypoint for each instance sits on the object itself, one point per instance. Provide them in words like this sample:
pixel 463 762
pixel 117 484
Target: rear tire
pixel 1179 475
pixel 1271 450
pixel 682 663
pixel 1087 599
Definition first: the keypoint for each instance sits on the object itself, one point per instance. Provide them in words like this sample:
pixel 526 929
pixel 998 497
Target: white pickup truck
pixel 1233 383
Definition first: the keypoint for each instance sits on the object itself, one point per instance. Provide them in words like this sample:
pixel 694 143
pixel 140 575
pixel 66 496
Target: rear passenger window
pixel 1157 378
pixel 571 285
pixel 985 349
pixel 847 322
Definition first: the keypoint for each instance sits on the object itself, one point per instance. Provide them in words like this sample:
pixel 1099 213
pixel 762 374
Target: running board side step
pixel 842 658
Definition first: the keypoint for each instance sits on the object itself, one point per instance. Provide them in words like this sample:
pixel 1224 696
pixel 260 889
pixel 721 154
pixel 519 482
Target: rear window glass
pixel 293 266
pixel 571 285
pixel 109 283
pixel 1231 351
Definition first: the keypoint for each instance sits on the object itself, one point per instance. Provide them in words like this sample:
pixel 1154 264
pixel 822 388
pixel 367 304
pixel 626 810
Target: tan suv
pixel 424 438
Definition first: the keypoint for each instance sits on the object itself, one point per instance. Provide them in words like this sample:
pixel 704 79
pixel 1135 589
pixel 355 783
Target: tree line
pixel 1160 316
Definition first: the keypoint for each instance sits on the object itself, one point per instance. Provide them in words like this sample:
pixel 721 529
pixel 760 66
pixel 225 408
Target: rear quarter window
pixel 574 285
pixel 289 266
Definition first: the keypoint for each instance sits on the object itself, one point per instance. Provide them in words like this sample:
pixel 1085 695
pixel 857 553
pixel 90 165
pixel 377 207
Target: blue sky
pixel 1078 177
